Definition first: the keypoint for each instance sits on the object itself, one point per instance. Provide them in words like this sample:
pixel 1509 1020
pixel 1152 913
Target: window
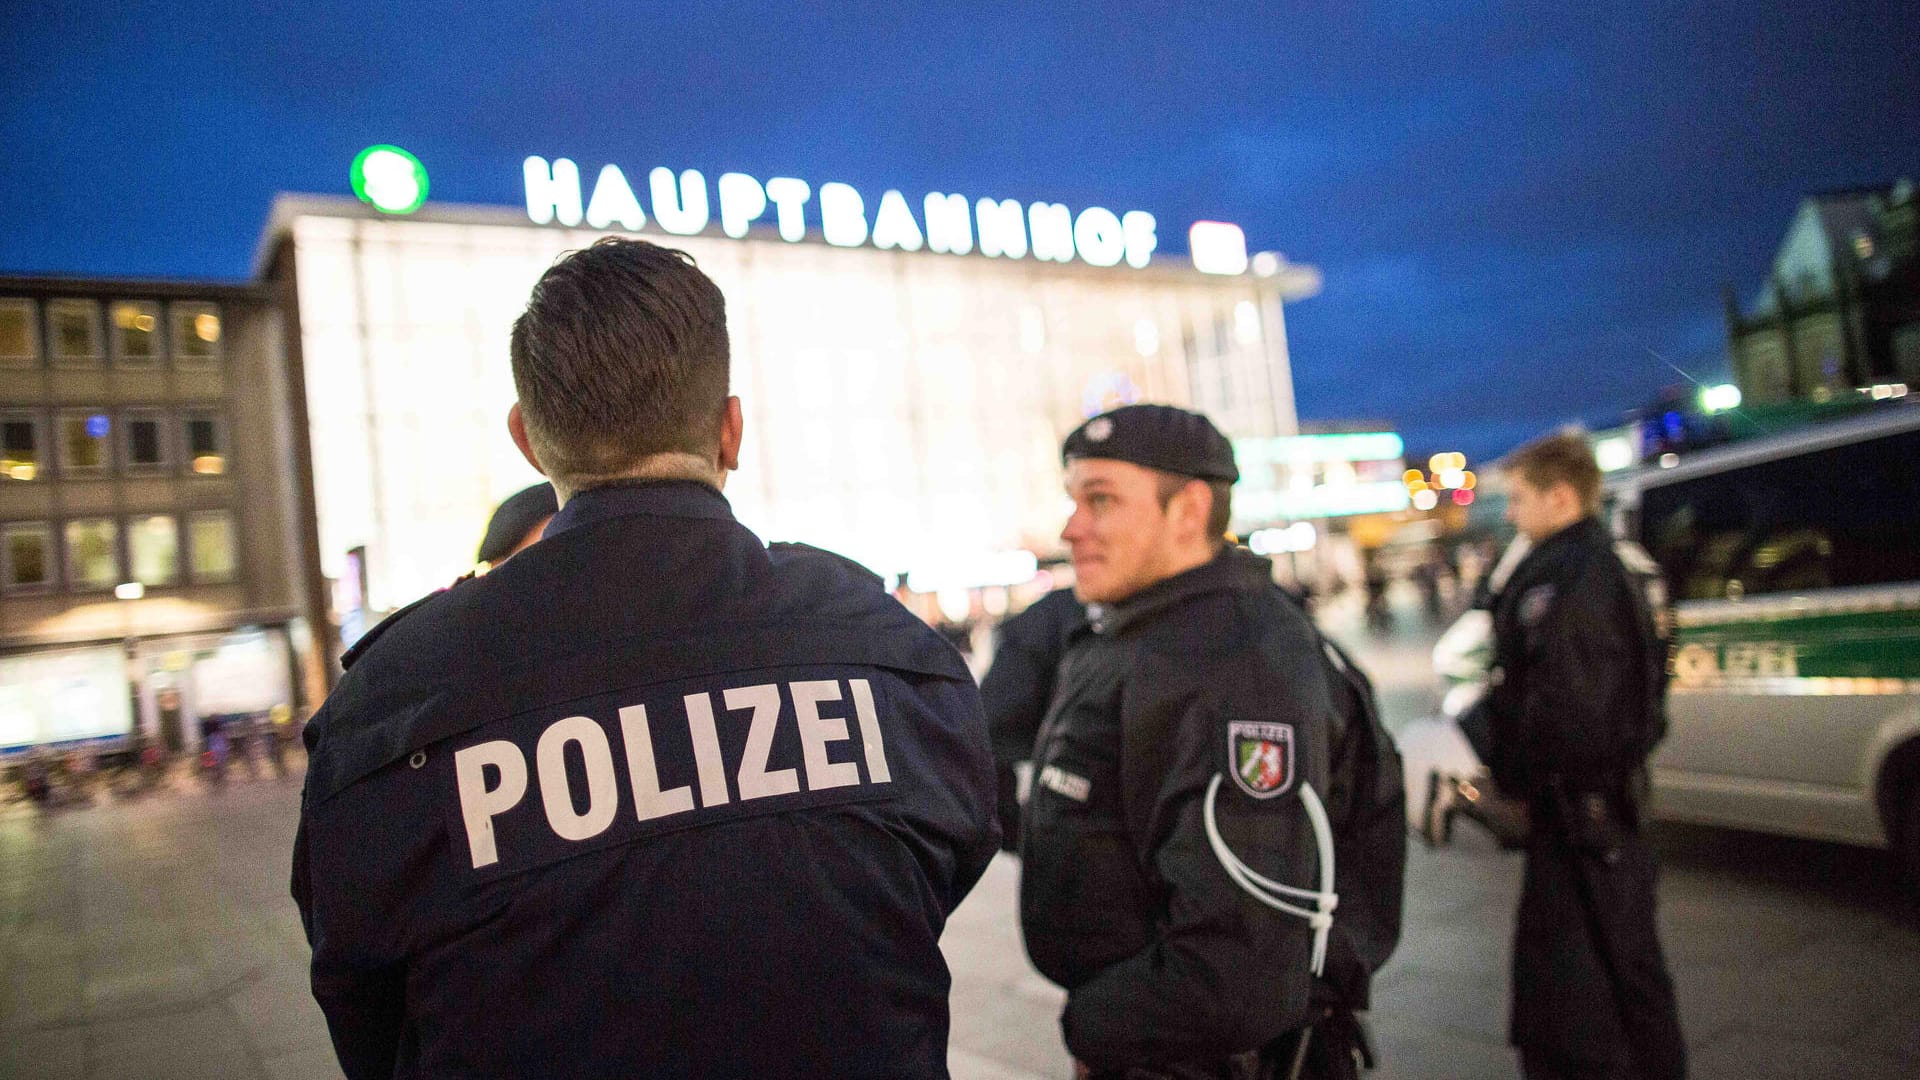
pixel 211 541
pixel 196 335
pixel 73 328
pixel 26 557
pixel 19 336
pixel 146 442
pixel 84 442
pixel 206 441
pixel 93 555
pixel 153 546
pixel 1778 526
pixel 136 333
pixel 20 454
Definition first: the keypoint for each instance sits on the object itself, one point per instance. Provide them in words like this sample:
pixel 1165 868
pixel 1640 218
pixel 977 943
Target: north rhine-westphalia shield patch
pixel 1261 756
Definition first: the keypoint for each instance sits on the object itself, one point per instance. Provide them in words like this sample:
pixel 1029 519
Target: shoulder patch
pixel 1261 757
pixel 1534 604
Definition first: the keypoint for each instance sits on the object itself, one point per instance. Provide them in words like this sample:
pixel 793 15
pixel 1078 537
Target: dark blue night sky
pixel 1515 206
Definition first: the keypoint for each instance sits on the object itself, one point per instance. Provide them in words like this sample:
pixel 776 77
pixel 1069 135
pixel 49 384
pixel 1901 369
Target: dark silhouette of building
pixel 1840 309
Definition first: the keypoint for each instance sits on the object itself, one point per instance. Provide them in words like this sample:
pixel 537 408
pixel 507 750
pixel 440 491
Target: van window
pixel 1845 516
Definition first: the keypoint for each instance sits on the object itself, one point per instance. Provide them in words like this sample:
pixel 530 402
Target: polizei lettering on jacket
pixel 553 787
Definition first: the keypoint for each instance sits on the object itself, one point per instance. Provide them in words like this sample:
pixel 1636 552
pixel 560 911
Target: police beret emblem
pixel 1260 757
pixel 1100 429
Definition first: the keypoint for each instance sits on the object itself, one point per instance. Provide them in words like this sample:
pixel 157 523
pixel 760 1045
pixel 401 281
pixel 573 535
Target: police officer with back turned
pixel 1176 860
pixel 651 798
pixel 1576 705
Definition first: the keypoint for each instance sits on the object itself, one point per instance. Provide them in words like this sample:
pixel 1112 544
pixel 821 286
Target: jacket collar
pixel 1234 569
pixel 658 498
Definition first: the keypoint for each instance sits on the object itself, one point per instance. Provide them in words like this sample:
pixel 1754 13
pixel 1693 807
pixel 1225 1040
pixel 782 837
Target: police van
pixel 1794 566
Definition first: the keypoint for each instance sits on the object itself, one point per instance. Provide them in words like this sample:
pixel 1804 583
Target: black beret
pixel 1158 437
pixel 514 518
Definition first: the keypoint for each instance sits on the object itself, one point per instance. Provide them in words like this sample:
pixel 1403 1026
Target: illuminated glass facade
pixel 903 409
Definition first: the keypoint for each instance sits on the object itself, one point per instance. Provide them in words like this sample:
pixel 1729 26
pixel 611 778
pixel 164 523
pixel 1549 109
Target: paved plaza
pixel 154 939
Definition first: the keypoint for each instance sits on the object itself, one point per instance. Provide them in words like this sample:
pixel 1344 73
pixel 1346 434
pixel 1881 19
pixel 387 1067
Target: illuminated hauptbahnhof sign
pixel 947 223
pixel 908 365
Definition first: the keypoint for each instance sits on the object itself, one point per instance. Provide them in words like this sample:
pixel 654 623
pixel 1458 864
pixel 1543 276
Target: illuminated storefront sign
pixel 945 223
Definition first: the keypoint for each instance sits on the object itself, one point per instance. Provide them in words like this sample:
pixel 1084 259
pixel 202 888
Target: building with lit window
pixel 1840 310
pixel 904 407
pixel 146 566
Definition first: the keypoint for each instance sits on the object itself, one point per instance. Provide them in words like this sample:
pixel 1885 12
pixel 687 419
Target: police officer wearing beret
pixel 651 798
pixel 1176 861
pixel 1576 704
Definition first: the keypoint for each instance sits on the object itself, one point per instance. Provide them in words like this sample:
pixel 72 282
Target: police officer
pixel 650 798
pixel 1177 865
pixel 517 523
pixel 1019 687
pixel 1575 707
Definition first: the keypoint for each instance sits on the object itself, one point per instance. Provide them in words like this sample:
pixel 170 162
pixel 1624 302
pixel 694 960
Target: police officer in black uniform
pixel 650 799
pixel 1176 861
pixel 1019 686
pixel 1575 708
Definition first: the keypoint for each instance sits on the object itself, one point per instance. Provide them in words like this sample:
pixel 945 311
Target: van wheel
pixel 1906 842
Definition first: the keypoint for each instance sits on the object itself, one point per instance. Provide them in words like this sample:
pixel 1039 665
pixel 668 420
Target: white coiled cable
pixel 1323 899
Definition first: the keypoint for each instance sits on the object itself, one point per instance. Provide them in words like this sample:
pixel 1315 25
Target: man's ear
pixel 1194 503
pixel 732 430
pixel 517 427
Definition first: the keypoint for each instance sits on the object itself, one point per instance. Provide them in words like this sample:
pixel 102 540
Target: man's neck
pixel 668 466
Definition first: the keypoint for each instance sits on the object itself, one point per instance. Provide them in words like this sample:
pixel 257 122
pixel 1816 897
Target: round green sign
pixel 391 179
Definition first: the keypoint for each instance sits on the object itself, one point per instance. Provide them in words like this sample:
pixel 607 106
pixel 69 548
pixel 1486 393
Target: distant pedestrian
pixel 1576 705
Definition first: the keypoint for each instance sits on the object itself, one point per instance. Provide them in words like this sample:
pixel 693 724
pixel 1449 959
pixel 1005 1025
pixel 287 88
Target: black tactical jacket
pixel 1579 670
pixel 650 799
pixel 1212 673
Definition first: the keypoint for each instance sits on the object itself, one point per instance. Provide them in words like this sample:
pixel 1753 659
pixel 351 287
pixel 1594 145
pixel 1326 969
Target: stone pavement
pixel 154 939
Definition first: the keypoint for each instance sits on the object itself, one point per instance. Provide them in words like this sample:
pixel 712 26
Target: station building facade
pixel 904 408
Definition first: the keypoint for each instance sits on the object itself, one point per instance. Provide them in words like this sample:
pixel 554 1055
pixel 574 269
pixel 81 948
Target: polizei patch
pixel 1262 757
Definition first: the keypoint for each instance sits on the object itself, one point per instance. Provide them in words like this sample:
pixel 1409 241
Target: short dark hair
pixel 1219 514
pixel 1563 457
pixel 621 355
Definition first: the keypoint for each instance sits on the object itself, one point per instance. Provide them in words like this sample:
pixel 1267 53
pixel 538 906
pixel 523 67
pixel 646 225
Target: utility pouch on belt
pixel 1589 820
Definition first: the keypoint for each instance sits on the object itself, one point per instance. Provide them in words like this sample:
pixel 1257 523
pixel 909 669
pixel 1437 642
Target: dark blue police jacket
pixel 649 800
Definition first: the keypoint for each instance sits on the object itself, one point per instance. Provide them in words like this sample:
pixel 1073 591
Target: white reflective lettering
pixel 613 201
pixel 649 801
pixel 479 805
pixel 603 799
pixel 949 230
pixel 741 200
pixel 789 203
pixel 1051 229
pixel 754 779
pixel 706 750
pixel 843 215
pixel 1002 231
pixel 817 731
pixel 682 212
pixel 893 224
pixel 553 192
pixel 876 747
pixel 1137 226
pixel 1097 233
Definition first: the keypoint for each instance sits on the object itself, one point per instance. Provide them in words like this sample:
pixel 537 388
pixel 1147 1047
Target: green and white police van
pixel 1794 566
